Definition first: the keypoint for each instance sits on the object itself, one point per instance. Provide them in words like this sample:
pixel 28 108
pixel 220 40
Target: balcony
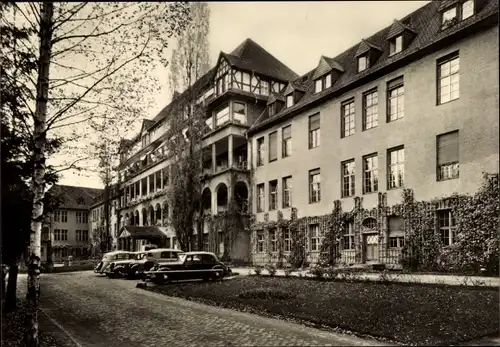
pixel 225 154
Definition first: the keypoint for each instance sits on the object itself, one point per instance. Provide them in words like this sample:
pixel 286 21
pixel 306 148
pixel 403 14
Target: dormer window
pixel 459 11
pixel 289 100
pixel 396 45
pixel 362 63
pixel 449 16
pixel 318 85
pixel 323 83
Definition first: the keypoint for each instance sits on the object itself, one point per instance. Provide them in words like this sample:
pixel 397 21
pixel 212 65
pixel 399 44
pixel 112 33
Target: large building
pixel 66 230
pixel 413 106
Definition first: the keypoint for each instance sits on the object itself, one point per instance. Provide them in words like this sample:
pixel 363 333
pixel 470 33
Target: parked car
pixel 191 265
pixel 110 257
pixel 142 261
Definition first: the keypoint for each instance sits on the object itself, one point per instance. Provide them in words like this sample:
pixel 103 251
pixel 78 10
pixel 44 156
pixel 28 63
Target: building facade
pixel 98 220
pixel 66 230
pixel 413 106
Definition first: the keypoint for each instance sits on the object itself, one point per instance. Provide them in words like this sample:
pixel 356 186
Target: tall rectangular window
pixel 314 186
pixel 151 180
pixel 239 112
pixel 396 45
pixel 362 63
pixel 348 237
pixel 260 151
pixel 273 241
pixel 273 195
pixel 395 167
pixel 370 173
pixel 448 87
pixel 273 146
pixel 467 9
pixel 64 235
pixel 447 227
pixel 222 116
pixel 260 242
pixel 395 99
pixel 286 141
pixel 348 178
pixel 57 235
pixel 318 85
pixel 64 216
pixel 396 231
pixel 287 240
pixel 289 100
pixel 448 156
pixel 370 110
pixel 348 121
pixel 260 197
pixel 314 131
pixel 287 191
pixel 57 216
pixel 315 237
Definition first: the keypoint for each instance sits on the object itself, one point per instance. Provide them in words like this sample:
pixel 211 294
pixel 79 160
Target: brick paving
pixel 97 311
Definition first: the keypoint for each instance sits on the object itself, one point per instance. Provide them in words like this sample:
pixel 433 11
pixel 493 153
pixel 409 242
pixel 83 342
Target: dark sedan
pixel 191 265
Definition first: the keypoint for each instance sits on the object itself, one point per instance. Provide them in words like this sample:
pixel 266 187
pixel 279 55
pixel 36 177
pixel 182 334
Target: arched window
pixel 370 223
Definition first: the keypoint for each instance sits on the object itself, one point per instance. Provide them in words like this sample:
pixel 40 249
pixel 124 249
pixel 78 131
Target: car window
pixel 150 255
pixel 208 259
pixel 166 255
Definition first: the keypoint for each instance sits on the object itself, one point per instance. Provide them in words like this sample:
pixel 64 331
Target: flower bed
pixel 409 314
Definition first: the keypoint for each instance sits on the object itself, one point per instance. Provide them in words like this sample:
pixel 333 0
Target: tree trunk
pixel 11 297
pixel 107 211
pixel 39 137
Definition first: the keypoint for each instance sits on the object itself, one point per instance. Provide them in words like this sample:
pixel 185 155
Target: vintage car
pixel 142 261
pixel 110 257
pixel 191 265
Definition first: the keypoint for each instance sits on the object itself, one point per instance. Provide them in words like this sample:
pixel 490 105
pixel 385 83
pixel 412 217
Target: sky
pixel 296 33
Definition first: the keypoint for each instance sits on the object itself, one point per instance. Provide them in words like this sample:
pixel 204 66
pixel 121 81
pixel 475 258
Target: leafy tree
pixel 84 55
pixel 190 61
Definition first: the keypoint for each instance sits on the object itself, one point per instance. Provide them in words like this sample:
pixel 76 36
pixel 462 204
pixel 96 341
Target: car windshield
pixel 140 256
pixel 122 256
pixel 182 257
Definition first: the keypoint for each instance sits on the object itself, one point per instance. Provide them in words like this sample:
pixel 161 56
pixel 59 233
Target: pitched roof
pixel 142 232
pixel 326 65
pixel 365 46
pixel 251 56
pixel 274 97
pixel 425 21
pixel 397 28
pixel 79 198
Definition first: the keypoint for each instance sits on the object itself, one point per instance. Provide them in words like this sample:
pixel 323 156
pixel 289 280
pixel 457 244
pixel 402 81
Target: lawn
pixel 403 313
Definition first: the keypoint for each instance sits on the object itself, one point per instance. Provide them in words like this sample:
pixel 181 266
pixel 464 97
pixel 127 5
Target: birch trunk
pixel 38 184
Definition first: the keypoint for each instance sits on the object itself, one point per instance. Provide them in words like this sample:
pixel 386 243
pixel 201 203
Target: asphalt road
pixel 90 310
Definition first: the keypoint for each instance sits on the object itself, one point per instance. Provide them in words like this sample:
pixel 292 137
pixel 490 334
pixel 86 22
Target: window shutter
pixel 314 122
pixel 447 148
pixel 395 83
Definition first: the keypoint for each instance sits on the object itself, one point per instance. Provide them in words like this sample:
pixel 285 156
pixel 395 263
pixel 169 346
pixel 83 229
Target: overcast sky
pixel 297 33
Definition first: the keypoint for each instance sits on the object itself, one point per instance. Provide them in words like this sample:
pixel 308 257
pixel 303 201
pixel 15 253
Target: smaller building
pixel 137 238
pixel 104 238
pixel 66 231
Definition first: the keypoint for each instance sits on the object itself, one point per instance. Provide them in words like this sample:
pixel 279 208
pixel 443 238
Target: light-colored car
pixel 111 257
pixel 142 261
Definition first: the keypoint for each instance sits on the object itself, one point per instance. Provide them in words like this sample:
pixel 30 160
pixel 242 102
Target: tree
pixel 190 61
pixel 86 55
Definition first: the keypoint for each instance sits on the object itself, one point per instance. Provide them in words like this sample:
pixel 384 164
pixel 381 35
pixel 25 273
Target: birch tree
pixel 190 61
pixel 92 59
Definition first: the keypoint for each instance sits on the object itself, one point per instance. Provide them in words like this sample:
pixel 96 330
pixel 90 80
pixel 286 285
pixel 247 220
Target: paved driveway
pixel 96 311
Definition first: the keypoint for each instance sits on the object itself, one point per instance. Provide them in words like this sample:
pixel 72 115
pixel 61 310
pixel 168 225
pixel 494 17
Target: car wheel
pixel 218 276
pixel 163 278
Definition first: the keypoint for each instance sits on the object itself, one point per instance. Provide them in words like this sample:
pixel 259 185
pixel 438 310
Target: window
pixel 260 197
pixel 273 195
pixel 395 99
pixel 348 238
pixel 318 85
pixel 165 176
pixel 273 241
pixel 273 146
pixel 370 110
pixel 396 232
pixel 396 167
pixel 151 183
pixel 314 131
pixel 314 186
pixel 64 235
pixel 286 141
pixel 264 87
pixel 57 216
pixel 79 217
pixel 246 82
pixel 348 122
pixel 447 227
pixel 222 116
pixel 467 9
pixel 144 186
pixel 260 151
pixel 260 242
pixel 239 113
pixel 328 81
pixel 448 78
pixel 57 235
pixel 447 156
pixel 289 100
pixel 64 216
pixel 287 191
pixel 158 180
pixel 370 173
pixel 287 240
pixel 449 17
pixel 315 236
pixel 396 45
pixel 348 175
pixel 362 63
pixel 82 235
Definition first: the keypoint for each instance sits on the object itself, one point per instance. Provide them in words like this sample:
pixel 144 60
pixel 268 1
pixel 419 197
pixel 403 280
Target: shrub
pixel 332 273
pixel 318 272
pixel 266 294
pixel 385 276
pixel 288 271
pixel 257 270
pixel 271 269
